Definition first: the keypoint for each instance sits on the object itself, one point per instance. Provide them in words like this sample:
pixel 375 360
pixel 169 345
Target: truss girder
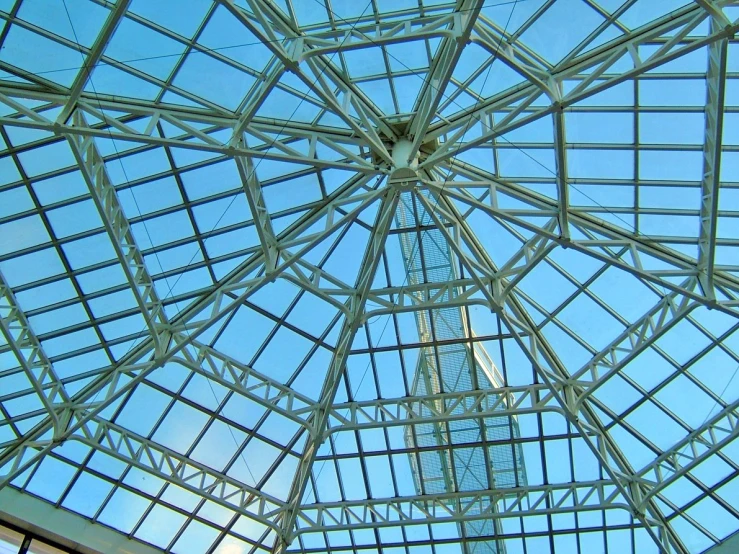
pixel 635 339
pixel 680 283
pixel 560 156
pixel 460 506
pixel 93 57
pixel 590 68
pixel 379 33
pixel 546 364
pixel 196 126
pixel 716 89
pixel 243 379
pixel 105 198
pixel 178 469
pixel 696 447
pixel 227 296
pixel 337 366
pixel 267 25
pixel 27 349
pixel 439 408
pixel 445 61
pixel 594 237
pixel 260 214
pixel 256 97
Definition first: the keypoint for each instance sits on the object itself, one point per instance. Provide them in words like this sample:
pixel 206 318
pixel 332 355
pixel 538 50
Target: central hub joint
pixel 404 175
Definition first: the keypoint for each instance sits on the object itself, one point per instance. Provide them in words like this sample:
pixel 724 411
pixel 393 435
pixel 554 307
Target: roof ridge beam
pixel 716 89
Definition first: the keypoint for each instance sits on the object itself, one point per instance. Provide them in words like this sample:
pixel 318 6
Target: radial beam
pixel 337 366
pixel 197 128
pixel 272 29
pixel 244 281
pixel 105 198
pixel 716 90
pixel 551 371
pixel 444 64
pixel 595 70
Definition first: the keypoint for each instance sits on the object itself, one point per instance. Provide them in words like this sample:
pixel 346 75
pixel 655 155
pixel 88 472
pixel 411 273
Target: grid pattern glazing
pixel 225 329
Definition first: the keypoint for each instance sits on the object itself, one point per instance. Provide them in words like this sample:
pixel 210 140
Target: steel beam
pixel 93 57
pixel 440 408
pixel 267 24
pixel 458 507
pixel 600 239
pixel 551 371
pixel 445 62
pixel 105 198
pixel 196 125
pixel 36 366
pixel 590 68
pixel 703 442
pixel 563 192
pixel 712 152
pixel 260 214
pixel 352 323
pixel 164 463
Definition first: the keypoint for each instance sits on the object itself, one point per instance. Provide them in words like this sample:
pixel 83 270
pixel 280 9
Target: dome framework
pixel 212 324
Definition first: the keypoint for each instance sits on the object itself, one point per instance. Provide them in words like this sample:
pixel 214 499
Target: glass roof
pixel 383 276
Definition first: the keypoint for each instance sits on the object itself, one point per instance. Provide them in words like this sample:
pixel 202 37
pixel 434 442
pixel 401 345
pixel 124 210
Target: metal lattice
pixel 423 277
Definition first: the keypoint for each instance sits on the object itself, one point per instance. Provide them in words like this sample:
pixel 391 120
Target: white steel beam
pixel 256 97
pixel 635 339
pixel 696 447
pixel 440 408
pixel 260 214
pixel 337 366
pixel 551 371
pixel 93 57
pixel 197 127
pixel 444 64
pixel 164 463
pixel 716 89
pixel 105 198
pixel 590 68
pixel 243 379
pixel 27 349
pixel 594 237
pixel 379 33
pixel 457 507
pixel 227 296
pixel 563 195
pixel 267 24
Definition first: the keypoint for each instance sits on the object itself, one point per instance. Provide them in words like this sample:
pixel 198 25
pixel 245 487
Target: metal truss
pixel 596 238
pixel 716 87
pixel 550 370
pixel 307 247
pixel 189 121
pixel 461 506
pixel 104 196
pixel 337 366
pixel 591 69
pixel 29 353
